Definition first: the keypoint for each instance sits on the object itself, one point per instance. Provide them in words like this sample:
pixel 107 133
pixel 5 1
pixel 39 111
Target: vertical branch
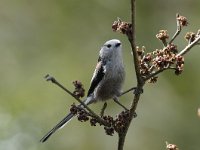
pixel 121 141
pixel 132 39
pixel 140 81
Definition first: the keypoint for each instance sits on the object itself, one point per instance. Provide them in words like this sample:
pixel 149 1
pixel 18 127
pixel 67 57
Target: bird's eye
pixel 118 44
pixel 109 45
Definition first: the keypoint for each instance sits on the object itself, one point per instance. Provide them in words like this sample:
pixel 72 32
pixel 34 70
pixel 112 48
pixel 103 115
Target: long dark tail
pixel 65 120
pixel 58 126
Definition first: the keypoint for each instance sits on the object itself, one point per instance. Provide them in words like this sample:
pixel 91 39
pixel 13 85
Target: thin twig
pixel 178 29
pixel 117 102
pixel 157 72
pixel 129 90
pixel 189 46
pixel 154 74
pixel 164 43
pixel 53 80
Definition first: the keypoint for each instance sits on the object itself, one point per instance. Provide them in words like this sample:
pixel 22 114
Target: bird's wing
pixel 97 76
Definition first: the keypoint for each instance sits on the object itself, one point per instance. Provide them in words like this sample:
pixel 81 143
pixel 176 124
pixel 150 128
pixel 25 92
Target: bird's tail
pixel 63 122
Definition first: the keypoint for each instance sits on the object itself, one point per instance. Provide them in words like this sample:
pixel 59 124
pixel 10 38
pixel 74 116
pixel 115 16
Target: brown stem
pixel 132 40
pixel 140 81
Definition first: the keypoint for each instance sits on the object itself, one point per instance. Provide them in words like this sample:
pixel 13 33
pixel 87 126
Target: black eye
pixel 109 45
pixel 118 44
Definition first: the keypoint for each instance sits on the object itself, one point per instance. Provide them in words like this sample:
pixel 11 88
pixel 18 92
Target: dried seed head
pixel 122 27
pixel 109 130
pixel 79 91
pixel 190 36
pixel 153 80
pixel 115 25
pixel 93 122
pixel 140 51
pixel 179 65
pixel 171 147
pixel 180 60
pixel 108 119
pixel 147 58
pixel 83 115
pixel 74 109
pixel 162 35
pixel 173 48
pixel 182 20
pixel 121 121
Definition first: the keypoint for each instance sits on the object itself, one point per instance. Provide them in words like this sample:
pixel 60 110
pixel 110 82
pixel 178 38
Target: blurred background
pixel 63 38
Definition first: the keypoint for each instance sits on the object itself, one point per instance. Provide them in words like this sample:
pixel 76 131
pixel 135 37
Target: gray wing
pixel 97 76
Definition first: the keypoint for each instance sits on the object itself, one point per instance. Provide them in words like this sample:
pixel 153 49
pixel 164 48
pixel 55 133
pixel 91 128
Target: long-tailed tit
pixel 106 82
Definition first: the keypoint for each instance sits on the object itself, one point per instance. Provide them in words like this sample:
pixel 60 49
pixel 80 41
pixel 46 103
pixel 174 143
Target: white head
pixel 111 48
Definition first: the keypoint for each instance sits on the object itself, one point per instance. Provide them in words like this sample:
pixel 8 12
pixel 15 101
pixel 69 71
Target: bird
pixel 106 82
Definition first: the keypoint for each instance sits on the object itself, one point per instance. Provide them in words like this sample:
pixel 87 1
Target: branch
pixel 154 74
pixel 140 81
pixel 132 40
pixel 189 46
pixel 181 53
pixel 178 29
pixel 148 66
pixel 131 89
pixel 53 80
pixel 157 72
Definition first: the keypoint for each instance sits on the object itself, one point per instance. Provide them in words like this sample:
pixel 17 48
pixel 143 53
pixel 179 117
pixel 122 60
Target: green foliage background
pixel 62 38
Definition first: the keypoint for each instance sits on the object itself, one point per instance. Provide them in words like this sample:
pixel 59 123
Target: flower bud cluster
pixel 122 27
pixel 79 91
pixel 191 36
pixel 162 35
pixel 182 20
pixel 118 124
pixel 160 59
pixel 121 121
pixel 81 113
pixel 109 129
pixel 171 147
pixel 179 65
